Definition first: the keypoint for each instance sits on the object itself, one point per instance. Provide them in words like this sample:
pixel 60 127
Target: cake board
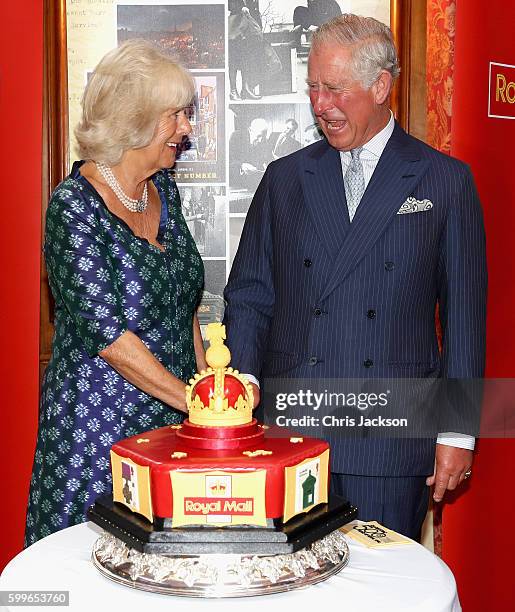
pixel 276 538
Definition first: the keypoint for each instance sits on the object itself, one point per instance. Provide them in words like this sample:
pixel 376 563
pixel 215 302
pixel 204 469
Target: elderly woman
pixel 126 278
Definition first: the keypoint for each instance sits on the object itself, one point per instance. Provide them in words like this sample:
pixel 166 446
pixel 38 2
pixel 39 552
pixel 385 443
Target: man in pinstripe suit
pixel 330 281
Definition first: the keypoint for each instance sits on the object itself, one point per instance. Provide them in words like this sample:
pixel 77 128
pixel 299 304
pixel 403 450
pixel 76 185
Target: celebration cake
pixel 220 483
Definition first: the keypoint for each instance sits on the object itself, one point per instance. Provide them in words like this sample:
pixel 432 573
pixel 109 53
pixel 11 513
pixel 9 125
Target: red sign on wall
pixel 501 91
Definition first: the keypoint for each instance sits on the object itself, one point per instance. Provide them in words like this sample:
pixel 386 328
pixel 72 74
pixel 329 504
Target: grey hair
pixel 371 42
pixel 125 96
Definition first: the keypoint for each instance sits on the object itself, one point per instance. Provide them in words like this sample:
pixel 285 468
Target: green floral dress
pixel 105 281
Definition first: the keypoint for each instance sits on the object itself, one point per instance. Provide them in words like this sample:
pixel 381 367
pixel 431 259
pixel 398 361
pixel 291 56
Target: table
pixel 404 578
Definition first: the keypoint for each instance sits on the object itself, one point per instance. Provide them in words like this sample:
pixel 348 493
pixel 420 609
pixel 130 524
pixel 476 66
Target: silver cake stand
pixel 225 575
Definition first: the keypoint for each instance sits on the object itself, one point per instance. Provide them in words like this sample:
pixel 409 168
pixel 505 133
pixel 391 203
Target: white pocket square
pixel 412 205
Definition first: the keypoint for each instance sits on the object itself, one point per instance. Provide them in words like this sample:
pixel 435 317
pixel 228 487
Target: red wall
pixel 21 86
pixel 482 561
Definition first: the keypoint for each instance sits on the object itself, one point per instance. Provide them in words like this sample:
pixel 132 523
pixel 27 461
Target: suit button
pixel 368 363
pixel 317 312
pixel 307 262
pixel 312 361
pixel 389 266
pixel 371 314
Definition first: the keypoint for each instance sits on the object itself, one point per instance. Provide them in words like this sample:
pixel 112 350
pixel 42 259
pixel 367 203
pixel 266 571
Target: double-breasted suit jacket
pixel 311 295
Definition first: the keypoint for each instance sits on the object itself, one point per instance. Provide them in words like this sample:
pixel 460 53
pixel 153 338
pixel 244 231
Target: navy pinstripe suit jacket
pixel 304 280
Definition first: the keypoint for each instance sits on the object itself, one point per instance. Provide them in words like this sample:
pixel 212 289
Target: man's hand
pixel 255 390
pixel 451 463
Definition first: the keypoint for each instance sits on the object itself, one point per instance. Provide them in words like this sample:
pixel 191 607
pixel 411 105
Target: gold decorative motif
pixel 441 30
pixel 178 455
pixel 218 489
pixel 257 453
pixel 296 440
pixel 142 440
pixel 264 426
pixel 218 355
pixel 218 412
pixel 175 426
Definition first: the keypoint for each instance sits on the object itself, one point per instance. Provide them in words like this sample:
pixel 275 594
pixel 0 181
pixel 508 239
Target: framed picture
pixel 238 90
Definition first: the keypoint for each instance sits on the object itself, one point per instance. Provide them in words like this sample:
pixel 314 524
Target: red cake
pixel 188 475
pixel 220 467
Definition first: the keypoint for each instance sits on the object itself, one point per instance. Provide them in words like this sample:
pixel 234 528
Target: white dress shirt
pixel 371 151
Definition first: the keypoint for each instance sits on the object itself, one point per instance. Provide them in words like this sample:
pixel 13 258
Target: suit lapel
pixel 324 195
pixel 397 173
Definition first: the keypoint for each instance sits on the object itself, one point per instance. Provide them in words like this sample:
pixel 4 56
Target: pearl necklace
pixel 129 203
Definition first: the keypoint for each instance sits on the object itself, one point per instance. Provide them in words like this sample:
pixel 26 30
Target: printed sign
pixel 131 485
pixel 218 498
pixel 501 91
pixel 305 485
pixel 374 535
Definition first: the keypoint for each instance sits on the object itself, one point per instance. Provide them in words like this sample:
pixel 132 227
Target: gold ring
pixel 467 474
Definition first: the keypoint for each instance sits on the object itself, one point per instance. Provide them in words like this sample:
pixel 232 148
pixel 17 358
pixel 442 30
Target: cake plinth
pixel 276 538
pixel 217 576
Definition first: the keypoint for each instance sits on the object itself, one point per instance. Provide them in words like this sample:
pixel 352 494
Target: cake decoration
pixel 220 488
pixel 219 396
pixel 306 485
pixel 131 485
pixel 257 453
pixel 178 455
pixel 218 498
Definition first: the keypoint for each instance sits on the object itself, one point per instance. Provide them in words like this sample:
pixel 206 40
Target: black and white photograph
pixel 205 212
pixel 211 308
pixel 201 157
pixel 191 33
pixel 259 134
pixel 269 42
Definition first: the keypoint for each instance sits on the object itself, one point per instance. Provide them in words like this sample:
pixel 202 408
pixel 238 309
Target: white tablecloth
pixel 404 578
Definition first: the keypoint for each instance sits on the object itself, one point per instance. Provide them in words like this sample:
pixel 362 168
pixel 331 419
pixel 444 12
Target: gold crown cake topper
pixel 219 396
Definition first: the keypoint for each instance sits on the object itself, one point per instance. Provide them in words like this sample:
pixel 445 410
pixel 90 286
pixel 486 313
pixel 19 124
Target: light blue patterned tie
pixel 354 182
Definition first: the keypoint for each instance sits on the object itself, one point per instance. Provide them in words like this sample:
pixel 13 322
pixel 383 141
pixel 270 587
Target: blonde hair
pixel 371 42
pixel 128 91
